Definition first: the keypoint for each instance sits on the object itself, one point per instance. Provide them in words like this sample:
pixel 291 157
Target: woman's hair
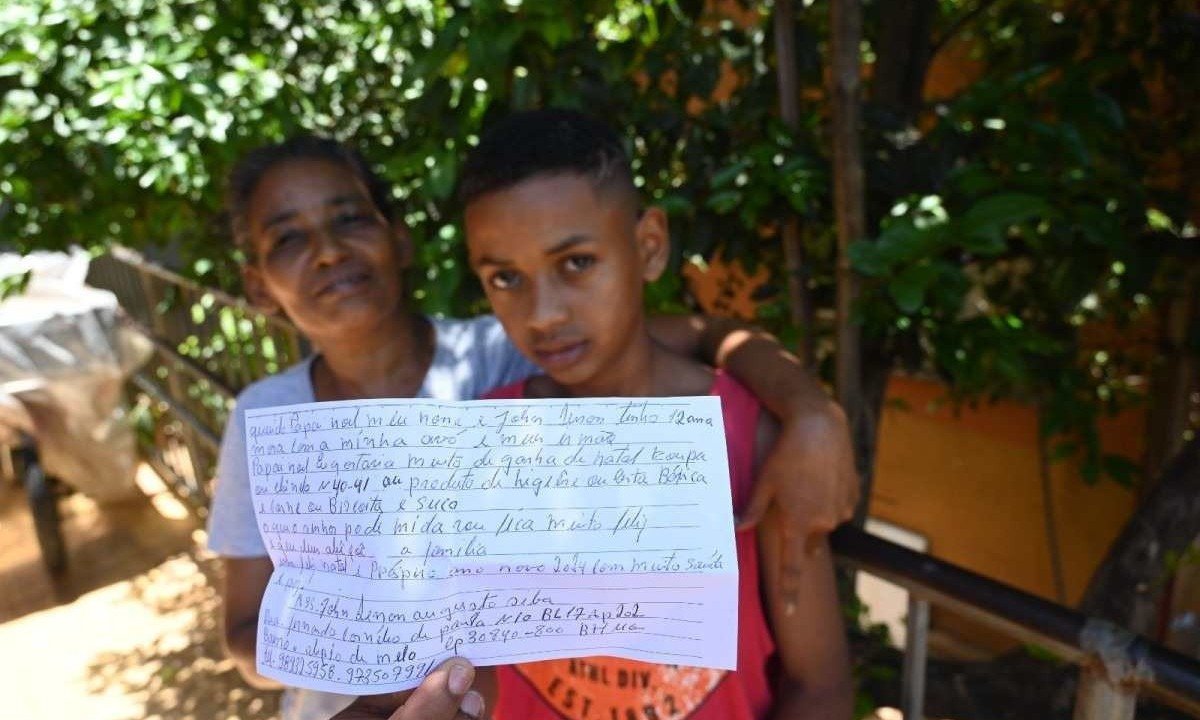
pixel 249 171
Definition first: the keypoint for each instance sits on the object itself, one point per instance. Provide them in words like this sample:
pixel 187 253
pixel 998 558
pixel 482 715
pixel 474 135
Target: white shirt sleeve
pixel 232 529
pixel 497 360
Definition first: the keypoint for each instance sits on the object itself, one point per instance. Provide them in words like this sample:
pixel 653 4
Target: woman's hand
pixel 809 476
pixel 810 473
pixel 444 694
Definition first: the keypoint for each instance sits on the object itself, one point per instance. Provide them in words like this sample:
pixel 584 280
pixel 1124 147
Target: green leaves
pixel 766 180
pixel 915 252
pixel 120 120
pixel 901 243
pixel 983 226
pixel 908 287
pixel 1034 203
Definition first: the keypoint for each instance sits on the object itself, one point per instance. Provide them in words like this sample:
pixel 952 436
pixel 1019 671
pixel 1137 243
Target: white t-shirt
pixel 470 357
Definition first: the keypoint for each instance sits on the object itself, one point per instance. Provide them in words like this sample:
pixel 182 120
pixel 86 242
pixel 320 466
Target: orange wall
pixel 969 482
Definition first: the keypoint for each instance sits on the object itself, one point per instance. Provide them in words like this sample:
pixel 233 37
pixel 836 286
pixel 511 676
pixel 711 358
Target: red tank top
pixel 607 688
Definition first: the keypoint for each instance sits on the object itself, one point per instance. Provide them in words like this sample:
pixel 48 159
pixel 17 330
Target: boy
pixel 555 234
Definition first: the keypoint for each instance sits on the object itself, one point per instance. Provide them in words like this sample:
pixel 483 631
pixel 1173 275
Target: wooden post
pixel 799 302
pixel 1173 382
pixel 1098 698
pixel 846 24
pixel 916 653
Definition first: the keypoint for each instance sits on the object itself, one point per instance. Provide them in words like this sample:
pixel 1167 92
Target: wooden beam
pixel 799 301
pixel 846 28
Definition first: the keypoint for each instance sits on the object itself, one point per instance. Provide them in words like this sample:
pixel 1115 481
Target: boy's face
pixel 563 265
pixel 320 250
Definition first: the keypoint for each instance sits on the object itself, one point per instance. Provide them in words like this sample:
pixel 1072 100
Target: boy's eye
pixel 503 279
pixel 578 263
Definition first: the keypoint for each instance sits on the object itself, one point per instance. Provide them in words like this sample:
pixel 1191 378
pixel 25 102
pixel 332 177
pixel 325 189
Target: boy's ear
pixel 257 292
pixel 653 238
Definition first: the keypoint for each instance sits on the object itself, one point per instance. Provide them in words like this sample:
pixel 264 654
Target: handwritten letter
pixel 407 531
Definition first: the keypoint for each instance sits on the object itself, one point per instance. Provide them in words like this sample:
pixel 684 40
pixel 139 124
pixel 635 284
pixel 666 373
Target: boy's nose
pixel 549 308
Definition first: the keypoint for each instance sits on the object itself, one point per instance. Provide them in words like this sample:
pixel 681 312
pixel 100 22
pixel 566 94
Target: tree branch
pixel 1166 521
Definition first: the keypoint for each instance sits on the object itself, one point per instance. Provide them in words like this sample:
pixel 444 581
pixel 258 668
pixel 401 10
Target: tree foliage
pixel 120 119
pixel 1031 208
pixel 1005 219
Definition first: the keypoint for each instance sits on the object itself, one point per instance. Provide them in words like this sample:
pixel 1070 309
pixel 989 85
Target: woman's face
pixel 322 252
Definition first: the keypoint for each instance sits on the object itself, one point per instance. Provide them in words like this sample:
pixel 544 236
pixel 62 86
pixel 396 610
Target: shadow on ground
pixel 105 544
pixel 183 674
pixel 129 630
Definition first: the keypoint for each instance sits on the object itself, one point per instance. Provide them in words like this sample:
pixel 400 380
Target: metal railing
pixel 209 345
pixel 1115 665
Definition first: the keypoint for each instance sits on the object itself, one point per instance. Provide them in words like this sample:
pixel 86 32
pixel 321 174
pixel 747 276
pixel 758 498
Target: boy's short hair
pixel 545 142
pixel 249 171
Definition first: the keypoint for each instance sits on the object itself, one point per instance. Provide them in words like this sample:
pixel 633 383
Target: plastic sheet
pixel 65 353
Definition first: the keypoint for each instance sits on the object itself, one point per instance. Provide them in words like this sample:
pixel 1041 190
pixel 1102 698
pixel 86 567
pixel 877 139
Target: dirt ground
pixel 129 630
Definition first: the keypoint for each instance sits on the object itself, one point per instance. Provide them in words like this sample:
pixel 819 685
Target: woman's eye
pixel 351 219
pixel 287 237
pixel 578 263
pixel 503 280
